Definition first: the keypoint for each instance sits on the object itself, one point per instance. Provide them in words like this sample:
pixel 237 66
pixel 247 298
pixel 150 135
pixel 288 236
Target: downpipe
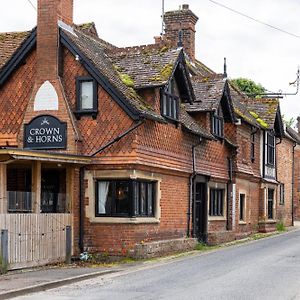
pixel 191 194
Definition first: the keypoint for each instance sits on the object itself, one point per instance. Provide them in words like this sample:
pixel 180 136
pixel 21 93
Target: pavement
pixel 22 282
pixel 18 283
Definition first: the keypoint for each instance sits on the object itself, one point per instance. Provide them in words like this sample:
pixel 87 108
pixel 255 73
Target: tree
pixel 289 122
pixel 249 87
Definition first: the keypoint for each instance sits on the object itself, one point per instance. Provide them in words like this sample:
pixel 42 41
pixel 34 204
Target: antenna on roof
pixel 163 18
pixel 225 68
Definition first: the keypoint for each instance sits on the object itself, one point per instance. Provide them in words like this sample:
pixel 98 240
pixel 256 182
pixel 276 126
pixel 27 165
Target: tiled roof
pixel 95 50
pixel 293 134
pixel 198 68
pixel 239 101
pixel 264 111
pixel 208 92
pixel 146 66
pixel 9 43
pixel 191 125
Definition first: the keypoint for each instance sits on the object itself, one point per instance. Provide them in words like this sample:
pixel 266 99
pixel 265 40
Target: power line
pixel 255 20
pixel 32 4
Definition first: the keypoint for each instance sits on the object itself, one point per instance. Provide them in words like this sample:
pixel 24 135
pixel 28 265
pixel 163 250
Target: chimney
pixel 180 27
pixel 49 13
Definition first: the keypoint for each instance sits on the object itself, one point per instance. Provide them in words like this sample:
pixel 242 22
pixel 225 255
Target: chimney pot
pixel 185 6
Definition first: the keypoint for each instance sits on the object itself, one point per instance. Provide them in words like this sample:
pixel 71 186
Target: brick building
pixel 131 145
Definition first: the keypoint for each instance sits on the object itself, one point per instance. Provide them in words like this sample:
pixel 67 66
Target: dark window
pixel 86 95
pixel 125 198
pixel 281 199
pixel 19 192
pixel 216 200
pixel 218 123
pixel 170 102
pixel 53 191
pixel 252 147
pixel 242 207
pixel 270 149
pixel 270 203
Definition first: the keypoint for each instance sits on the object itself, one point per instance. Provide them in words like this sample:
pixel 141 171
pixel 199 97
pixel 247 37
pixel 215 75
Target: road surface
pixel 264 269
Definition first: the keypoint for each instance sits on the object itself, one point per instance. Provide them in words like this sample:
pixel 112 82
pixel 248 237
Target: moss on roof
pixel 126 79
pixel 253 114
pixel 262 123
pixel 166 71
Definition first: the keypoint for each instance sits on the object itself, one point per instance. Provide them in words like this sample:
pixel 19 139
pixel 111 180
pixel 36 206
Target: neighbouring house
pixel 141 150
pixel 295 134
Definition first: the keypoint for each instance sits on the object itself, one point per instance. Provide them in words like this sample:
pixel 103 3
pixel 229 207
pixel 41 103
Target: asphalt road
pixel 264 269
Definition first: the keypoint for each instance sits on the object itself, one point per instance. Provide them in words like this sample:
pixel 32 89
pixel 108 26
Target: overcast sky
pixel 252 50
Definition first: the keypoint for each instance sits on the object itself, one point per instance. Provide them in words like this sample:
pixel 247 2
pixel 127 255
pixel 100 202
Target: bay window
pixel 125 198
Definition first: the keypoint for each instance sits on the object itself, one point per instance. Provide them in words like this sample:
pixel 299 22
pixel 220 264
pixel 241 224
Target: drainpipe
pixel 293 182
pixel 191 196
pixel 229 191
pixel 81 209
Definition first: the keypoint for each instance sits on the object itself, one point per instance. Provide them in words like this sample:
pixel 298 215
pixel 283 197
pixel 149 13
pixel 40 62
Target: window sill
pixel 268 221
pixel 242 223
pixel 79 113
pixel 116 220
pixel 216 218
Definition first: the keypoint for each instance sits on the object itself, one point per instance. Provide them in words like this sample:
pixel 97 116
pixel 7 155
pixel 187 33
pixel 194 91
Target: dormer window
pixel 218 123
pixel 170 102
pixel 86 96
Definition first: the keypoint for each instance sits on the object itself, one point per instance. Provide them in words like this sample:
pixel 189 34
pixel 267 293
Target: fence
pixel 35 239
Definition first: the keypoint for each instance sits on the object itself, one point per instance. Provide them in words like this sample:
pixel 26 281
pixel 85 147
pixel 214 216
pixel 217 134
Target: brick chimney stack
pixel 181 20
pixel 49 13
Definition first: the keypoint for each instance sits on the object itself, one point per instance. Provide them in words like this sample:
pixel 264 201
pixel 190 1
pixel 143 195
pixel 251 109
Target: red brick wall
pixel 111 119
pixel 284 156
pixel 252 201
pixel 119 239
pixel 14 95
pixel 297 184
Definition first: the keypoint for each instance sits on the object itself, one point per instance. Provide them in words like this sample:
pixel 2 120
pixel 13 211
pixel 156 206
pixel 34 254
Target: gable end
pixel 18 57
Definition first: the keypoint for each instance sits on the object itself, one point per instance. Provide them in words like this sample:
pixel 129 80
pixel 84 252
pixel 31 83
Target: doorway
pixel 53 191
pixel 200 211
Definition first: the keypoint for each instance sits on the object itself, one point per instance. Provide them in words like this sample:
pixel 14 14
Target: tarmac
pixel 21 282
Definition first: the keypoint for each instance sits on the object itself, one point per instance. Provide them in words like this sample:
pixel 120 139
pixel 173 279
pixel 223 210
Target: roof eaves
pixel 28 44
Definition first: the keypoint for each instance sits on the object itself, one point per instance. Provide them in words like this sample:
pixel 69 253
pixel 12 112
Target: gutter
pixel 81 209
pixel 138 124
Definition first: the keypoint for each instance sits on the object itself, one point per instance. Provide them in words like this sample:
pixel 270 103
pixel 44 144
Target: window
pixel 281 196
pixel 252 147
pixel 125 198
pixel 19 192
pixel 170 102
pixel 53 191
pixel 218 123
pixel 270 149
pixel 270 203
pixel 242 207
pixel 86 95
pixel 216 202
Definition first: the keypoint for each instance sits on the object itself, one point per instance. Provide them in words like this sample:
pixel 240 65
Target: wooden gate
pixel 35 239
